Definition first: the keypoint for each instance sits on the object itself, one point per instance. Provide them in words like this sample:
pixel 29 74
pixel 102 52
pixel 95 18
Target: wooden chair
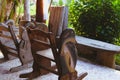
pixel 8 41
pixel 64 56
pixel 56 45
pixel 11 46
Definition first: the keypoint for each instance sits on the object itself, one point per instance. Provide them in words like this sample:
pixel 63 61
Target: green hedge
pixel 96 19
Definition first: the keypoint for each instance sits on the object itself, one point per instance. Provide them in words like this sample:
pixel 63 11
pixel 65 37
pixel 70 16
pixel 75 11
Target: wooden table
pixel 105 51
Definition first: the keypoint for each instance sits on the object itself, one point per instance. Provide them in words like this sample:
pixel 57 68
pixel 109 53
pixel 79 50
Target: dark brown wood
pixel 65 56
pixel 39 11
pixel 58 19
pixel 39 41
pixel 106 58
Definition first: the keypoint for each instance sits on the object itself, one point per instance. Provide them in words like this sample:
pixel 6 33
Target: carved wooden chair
pixel 56 45
pixel 11 47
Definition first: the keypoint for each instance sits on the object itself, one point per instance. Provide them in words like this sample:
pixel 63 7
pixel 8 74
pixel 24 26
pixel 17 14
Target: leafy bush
pixel 96 19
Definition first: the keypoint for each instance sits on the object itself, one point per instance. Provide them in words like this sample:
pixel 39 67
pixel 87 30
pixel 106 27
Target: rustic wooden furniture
pixel 63 55
pixel 8 41
pixel 57 44
pixel 10 45
pixel 105 52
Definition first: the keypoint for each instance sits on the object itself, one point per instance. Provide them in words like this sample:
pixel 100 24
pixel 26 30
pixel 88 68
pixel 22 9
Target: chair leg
pixel 82 75
pixel 30 75
pixel 4 52
pixel 73 76
pixel 21 67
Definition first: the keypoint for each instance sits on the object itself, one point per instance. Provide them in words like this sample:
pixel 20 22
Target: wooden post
pixel 27 10
pixel 39 11
pixel 40 18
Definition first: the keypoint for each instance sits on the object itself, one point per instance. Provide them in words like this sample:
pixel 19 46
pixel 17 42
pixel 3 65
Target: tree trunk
pixel 27 10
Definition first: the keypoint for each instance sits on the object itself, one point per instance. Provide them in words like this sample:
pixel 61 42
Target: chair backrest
pixel 58 19
pixel 8 33
pixel 38 33
pixel 38 43
pixel 12 28
pixel 8 38
pixel 14 37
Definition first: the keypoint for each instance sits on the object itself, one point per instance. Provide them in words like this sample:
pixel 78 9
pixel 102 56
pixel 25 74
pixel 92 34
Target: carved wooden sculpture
pixel 12 46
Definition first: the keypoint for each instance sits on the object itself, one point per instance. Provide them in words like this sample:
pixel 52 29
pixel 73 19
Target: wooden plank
pixel 56 20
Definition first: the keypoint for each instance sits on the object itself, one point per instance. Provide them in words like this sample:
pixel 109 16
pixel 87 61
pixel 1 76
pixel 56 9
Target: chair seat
pixel 47 53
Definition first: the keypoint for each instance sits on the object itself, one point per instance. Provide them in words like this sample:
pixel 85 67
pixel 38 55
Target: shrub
pixel 96 19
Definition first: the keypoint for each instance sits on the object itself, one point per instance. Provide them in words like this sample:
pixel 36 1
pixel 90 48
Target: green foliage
pixel 2 10
pixel 97 19
pixel 68 2
pixel 8 9
pixel 60 2
pixel 117 59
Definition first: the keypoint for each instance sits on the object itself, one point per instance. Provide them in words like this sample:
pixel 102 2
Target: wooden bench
pixel 105 52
